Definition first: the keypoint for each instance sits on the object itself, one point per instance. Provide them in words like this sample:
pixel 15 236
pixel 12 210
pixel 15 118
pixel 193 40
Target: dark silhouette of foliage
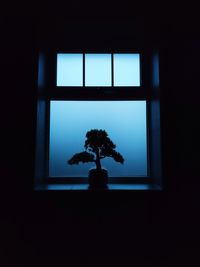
pixel 98 146
pixel 81 157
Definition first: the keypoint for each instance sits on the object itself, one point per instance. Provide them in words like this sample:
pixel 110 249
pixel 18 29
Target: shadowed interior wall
pixel 84 229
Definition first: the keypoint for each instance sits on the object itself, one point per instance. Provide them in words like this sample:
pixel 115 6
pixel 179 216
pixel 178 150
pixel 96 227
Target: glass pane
pixel 124 121
pixel 126 70
pixel 98 70
pixel 69 70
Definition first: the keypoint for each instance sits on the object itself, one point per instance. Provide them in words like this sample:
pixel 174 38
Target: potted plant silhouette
pixel 97 147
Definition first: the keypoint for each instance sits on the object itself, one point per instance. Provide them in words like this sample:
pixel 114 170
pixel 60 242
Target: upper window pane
pixel 126 70
pixel 98 70
pixel 69 69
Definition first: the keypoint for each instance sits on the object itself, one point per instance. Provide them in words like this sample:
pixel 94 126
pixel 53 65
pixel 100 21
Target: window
pixel 114 116
pixel 92 70
pixel 126 70
pixel 110 91
pixel 69 70
pixel 98 70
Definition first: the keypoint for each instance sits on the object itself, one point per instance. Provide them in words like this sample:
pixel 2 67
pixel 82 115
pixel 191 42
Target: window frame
pixel 146 91
pixel 97 92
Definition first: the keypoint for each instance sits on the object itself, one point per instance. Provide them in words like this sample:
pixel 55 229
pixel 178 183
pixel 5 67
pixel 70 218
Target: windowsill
pixel 55 187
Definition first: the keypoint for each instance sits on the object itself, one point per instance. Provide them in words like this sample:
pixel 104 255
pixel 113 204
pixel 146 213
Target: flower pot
pixel 98 179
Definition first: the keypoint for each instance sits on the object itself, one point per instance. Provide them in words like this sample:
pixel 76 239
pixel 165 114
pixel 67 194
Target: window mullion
pixel 112 70
pixel 83 69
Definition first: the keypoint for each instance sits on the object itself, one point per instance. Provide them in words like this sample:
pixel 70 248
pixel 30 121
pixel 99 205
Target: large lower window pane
pixel 98 69
pixel 126 70
pixel 124 121
pixel 69 70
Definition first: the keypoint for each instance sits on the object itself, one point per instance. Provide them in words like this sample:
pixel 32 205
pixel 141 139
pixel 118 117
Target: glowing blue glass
pixel 69 70
pixel 124 121
pixel 126 70
pixel 98 70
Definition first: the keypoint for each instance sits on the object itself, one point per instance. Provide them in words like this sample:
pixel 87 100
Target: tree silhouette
pixel 97 147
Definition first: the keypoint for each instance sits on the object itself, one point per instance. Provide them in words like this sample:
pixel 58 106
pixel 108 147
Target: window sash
pixel 125 177
pixel 97 92
pixel 84 86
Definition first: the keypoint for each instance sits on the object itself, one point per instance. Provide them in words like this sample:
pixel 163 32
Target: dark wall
pixel 80 228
